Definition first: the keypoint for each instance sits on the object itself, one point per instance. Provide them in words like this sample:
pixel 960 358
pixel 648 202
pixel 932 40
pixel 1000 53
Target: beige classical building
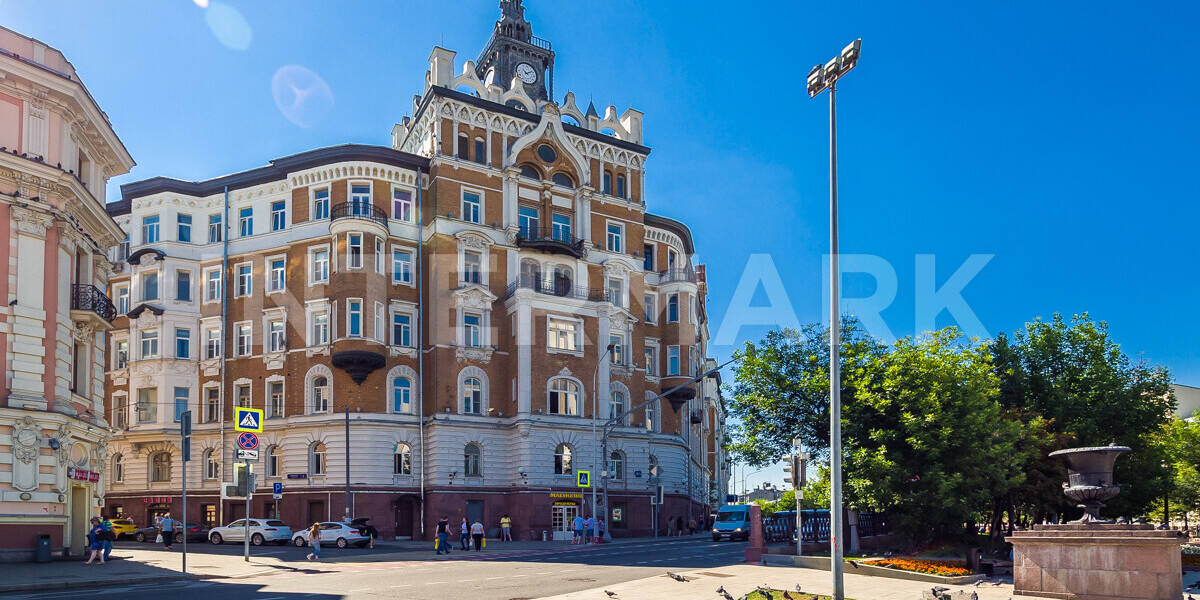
pixel 57 151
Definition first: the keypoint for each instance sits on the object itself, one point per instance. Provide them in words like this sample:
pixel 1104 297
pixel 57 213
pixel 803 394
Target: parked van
pixel 733 522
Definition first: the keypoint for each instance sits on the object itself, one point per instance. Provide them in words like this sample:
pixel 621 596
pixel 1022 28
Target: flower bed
pixel 944 568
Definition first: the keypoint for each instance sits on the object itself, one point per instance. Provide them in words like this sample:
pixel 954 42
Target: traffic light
pixel 789 469
pixel 242 478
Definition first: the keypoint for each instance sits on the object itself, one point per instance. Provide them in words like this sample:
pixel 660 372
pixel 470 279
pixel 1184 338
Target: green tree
pixel 1181 444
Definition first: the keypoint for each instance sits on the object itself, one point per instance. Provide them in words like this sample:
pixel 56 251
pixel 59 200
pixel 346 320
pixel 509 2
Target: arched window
pixel 118 468
pixel 616 465
pixel 563 397
pixel 317 390
pixel 402 459
pixel 273 460
pixel 529 172
pixel 620 186
pixel 160 467
pixel 402 395
pixel 563 278
pixel 212 465
pixel 531 273
pixel 652 415
pixel 616 405
pixel 320 394
pixel 562 179
pixel 472 396
pixel 654 470
pixel 562 459
pixel 606 183
pixel 316 459
pixel 471 459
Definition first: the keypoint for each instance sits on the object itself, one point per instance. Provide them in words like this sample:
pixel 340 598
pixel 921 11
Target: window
pixel 360 199
pixel 401 395
pixel 278 215
pixel 402 206
pixel 616 405
pixel 150 229
pixel 401 266
pixel 379 255
pixel 529 172
pixel 672 360
pixel 79 371
pixel 212 343
pixel 212 465
pixel 320 394
pixel 562 334
pixel 184 223
pixel 244 340
pixel 245 221
pixel 147 405
pixel 319 259
pixel 183 286
pixel 354 251
pixel 149 286
pixel 472 330
pixel 616 291
pixel 402 460
pixel 673 308
pixel 562 459
pixel 122 300
pixel 401 329
pixel 464 146
pixel 181 402
pixel 615 238
pixel 606 183
pixel 241 395
pixel 275 399
pixel 316 459
pixel 121 412
pixel 472 267
pixel 160 467
pixel 320 208
pixel 212 286
pixel 118 468
pixel 215 231
pixel 273 460
pixel 380 326
pixel 276 275
pixel 652 425
pixel 561 228
pixel 650 312
pixel 562 179
pixel 245 280
pixel 648 258
pixel 564 397
pixel 471 207
pixel 212 404
pixel 480 151
pixel 471 456
pixel 149 344
pixel 529 220
pixel 672 258
pixel 472 396
pixel 617 356
pixel 276 337
pixel 183 343
pixel 620 186
pixel 121 360
pixel 616 465
pixel 320 329
pixel 123 249
pixel 651 361
pixel 354 318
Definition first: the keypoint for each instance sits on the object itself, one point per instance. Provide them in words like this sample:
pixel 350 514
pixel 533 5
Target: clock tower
pixel 513 51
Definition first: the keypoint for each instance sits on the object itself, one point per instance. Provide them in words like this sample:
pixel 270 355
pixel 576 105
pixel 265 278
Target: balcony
pixel 670 275
pixel 343 217
pixel 90 305
pixel 550 240
pixel 561 288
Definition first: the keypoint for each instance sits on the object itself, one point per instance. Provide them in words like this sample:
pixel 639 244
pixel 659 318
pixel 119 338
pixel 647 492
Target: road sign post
pixel 249 421
pixel 185 432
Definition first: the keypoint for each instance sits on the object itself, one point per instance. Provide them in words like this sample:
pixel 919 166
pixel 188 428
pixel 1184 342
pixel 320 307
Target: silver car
pixel 332 532
pixel 261 532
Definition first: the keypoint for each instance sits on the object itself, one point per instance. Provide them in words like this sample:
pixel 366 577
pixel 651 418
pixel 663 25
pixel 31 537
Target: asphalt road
pixel 478 576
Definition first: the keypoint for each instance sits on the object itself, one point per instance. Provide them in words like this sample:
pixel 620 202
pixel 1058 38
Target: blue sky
pixel 1053 137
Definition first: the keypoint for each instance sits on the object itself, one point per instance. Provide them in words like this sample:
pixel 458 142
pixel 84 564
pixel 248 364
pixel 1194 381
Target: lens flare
pixel 228 25
pixel 201 3
pixel 301 95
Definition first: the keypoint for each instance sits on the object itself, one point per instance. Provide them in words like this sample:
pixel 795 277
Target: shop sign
pixel 566 495
pixel 156 500
pixel 566 503
pixel 83 475
pixel 618 514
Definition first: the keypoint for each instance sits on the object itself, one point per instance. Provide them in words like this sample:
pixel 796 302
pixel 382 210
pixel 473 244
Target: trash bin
pixel 42 553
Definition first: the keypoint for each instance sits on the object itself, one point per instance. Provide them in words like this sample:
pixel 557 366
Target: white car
pixel 261 531
pixel 338 534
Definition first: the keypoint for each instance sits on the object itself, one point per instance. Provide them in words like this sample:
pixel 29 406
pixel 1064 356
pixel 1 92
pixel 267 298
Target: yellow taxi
pixel 123 527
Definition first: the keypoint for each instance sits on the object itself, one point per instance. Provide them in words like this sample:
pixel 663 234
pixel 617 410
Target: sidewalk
pixel 494 544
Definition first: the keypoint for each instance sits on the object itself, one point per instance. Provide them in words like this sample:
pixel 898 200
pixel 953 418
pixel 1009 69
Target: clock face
pixel 526 72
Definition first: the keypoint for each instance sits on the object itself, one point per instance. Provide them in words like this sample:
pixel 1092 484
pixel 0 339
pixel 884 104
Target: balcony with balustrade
pixel 358 216
pixel 554 240
pixel 91 306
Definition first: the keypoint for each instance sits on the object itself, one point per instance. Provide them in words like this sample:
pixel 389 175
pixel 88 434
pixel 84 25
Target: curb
pixel 133 580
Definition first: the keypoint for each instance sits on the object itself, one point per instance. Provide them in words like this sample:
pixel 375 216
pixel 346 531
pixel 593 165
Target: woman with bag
pixel 95 544
pixel 464 535
pixel 314 540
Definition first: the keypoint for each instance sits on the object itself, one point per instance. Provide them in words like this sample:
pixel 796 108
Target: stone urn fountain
pixel 1090 478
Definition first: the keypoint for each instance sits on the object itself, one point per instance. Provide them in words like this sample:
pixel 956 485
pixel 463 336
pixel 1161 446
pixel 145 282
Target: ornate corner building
pixel 57 151
pixel 429 327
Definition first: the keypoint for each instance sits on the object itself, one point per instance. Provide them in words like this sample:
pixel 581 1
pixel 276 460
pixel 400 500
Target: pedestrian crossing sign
pixel 583 479
pixel 247 419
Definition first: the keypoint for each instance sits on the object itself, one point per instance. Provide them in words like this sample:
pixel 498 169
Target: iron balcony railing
pixel 557 287
pixel 89 297
pixel 677 275
pixel 533 40
pixel 359 210
pixel 550 239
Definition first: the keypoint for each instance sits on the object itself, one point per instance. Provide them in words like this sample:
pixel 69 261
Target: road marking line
pixel 400 586
pixel 434 582
pixel 491 578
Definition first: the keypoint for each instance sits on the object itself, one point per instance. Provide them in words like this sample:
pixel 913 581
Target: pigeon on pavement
pixel 610 594
pixel 676 577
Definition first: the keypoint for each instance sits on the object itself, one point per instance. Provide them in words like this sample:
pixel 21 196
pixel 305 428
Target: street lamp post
pixel 820 78
pixel 595 405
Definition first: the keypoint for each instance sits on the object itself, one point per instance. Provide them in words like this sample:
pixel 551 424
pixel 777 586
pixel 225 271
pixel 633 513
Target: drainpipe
pixel 421 346
pixel 224 308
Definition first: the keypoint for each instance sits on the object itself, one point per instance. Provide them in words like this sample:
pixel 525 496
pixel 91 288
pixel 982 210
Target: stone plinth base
pixel 1097 562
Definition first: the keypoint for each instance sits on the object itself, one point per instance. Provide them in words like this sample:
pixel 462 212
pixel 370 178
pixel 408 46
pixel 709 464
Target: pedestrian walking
pixel 166 528
pixel 505 528
pixel 443 535
pixel 477 535
pixel 599 530
pixel 577 527
pixel 95 544
pixel 108 536
pixel 678 525
pixel 589 527
pixel 314 541
pixel 464 534
pixel 692 525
